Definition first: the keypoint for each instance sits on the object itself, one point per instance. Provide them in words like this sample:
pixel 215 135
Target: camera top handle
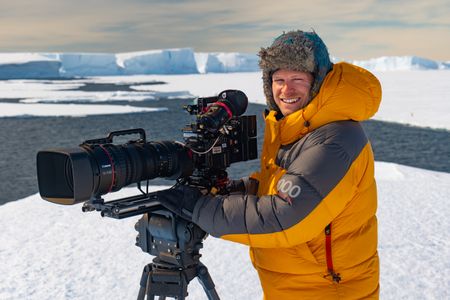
pixel 111 135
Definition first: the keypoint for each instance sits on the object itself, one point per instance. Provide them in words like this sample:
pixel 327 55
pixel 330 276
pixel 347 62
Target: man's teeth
pixel 289 101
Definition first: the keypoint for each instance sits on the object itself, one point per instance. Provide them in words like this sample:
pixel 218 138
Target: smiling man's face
pixel 291 90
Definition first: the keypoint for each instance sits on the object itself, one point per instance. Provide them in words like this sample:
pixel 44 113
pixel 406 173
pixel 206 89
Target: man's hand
pixel 180 199
pixel 246 185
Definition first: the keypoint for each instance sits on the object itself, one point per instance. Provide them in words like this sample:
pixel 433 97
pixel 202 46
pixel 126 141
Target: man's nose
pixel 288 88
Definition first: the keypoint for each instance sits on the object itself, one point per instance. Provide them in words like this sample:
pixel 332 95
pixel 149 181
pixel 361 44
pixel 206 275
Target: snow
pixel 68 110
pixel 420 98
pixel 166 61
pixel 57 252
pixel 414 244
pixel 37 91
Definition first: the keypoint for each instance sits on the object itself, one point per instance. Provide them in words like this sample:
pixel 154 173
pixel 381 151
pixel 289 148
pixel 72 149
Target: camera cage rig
pixel 174 242
pixel 211 177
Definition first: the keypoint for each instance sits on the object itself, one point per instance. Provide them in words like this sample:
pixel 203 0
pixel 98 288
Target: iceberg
pixel 28 66
pixel 168 61
pixel 86 64
pixel 399 63
pixel 226 62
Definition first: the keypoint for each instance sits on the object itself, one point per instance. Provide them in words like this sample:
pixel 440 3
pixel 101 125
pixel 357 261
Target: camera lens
pixel 70 176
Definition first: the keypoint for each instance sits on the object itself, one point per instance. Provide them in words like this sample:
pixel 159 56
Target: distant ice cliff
pixel 166 61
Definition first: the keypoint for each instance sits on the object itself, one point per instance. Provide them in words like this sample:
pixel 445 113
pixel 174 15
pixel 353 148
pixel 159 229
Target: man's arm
pixel 314 190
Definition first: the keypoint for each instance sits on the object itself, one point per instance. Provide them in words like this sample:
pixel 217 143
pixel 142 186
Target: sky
pixel 359 29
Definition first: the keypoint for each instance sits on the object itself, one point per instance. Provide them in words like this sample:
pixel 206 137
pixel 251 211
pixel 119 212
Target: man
pixel 311 226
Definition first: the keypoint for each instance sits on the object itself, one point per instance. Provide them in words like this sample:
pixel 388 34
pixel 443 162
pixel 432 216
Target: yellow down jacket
pixel 317 173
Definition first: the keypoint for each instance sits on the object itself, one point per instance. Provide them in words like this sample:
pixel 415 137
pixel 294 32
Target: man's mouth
pixel 290 101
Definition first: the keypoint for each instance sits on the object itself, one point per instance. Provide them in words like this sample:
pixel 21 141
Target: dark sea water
pixel 21 138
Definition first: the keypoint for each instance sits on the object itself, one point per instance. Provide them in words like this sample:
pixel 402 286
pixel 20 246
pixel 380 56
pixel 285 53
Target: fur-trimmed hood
pixel 296 51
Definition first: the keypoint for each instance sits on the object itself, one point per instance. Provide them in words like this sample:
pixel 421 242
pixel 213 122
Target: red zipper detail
pixel 336 276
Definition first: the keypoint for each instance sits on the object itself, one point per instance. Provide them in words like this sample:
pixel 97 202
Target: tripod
pixel 176 243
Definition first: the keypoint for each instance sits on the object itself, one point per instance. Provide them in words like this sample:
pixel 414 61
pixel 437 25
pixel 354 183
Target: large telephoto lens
pixel 70 176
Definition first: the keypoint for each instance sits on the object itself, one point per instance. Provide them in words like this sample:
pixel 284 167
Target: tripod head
pixel 173 240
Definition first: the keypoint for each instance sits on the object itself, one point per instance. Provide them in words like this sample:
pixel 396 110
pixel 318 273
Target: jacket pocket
pixel 294 260
pixel 306 253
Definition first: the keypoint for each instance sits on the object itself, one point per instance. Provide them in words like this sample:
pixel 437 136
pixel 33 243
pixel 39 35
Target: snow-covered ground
pixel 57 252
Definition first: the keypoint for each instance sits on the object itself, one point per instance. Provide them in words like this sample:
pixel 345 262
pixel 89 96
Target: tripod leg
pixel 207 282
pixel 143 282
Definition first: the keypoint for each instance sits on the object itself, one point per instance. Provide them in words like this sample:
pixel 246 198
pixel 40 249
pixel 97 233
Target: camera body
pixel 218 137
pixel 213 151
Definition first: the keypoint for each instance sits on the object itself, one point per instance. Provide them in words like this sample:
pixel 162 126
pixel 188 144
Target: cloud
pixel 351 29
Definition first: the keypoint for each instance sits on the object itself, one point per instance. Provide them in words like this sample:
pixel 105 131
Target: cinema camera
pixel 219 137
